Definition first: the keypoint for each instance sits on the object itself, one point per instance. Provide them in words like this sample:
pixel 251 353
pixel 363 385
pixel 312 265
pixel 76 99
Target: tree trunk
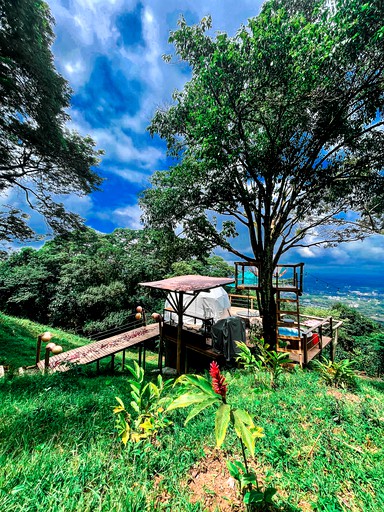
pixel 268 302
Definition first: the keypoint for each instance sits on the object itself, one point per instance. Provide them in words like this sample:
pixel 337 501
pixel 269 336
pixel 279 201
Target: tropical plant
pixel 200 393
pixel 339 374
pixel 278 129
pixel 148 404
pixel 265 361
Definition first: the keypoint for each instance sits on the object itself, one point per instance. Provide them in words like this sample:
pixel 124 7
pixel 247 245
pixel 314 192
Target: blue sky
pixel 111 54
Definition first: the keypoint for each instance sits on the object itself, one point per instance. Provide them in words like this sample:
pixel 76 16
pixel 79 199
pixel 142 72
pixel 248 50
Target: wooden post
pixel 160 358
pixel 113 363
pixel 304 340
pixel 98 366
pixel 46 359
pixel 38 348
pixel 334 342
pixel 180 304
pixel 123 363
pixel 144 348
pixel 321 340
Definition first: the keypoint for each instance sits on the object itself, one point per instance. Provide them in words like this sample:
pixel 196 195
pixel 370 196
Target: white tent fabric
pixel 210 304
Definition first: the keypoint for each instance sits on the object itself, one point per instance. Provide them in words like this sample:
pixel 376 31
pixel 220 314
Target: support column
pixel 180 303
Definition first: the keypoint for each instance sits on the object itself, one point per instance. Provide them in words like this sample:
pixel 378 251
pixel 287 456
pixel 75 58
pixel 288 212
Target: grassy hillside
pixel 18 340
pixel 59 451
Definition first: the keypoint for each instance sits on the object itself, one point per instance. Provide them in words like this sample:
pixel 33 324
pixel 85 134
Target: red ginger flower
pixel 219 385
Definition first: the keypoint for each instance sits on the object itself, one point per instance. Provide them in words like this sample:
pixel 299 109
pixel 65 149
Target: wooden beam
pixel 180 299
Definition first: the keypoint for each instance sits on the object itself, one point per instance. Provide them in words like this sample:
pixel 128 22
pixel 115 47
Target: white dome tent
pixel 213 304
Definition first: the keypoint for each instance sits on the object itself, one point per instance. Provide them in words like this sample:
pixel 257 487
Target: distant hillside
pixel 18 339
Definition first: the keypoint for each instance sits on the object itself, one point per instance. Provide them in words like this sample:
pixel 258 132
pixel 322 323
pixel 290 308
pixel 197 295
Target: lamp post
pixel 46 337
pixel 55 349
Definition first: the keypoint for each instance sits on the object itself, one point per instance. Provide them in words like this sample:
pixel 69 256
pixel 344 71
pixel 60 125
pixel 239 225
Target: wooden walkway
pixel 97 350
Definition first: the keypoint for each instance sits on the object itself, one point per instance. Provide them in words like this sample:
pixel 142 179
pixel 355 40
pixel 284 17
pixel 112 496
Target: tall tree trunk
pixel 267 301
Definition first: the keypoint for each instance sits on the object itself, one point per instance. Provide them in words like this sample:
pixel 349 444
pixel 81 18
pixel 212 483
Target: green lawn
pixel 18 339
pixel 59 451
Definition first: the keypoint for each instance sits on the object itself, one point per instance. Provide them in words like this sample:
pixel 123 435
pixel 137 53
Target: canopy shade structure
pixel 189 284
pixel 182 286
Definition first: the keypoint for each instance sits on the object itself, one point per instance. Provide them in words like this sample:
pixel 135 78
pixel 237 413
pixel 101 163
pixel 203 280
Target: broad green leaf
pixel 186 400
pixel 269 494
pixel 200 407
pixel 248 478
pixel 135 407
pixel 154 389
pixel 253 497
pixel 120 402
pixel 223 416
pixel 197 381
pixel 125 436
pixel 245 417
pixel 243 431
pixel 240 466
pixel 233 470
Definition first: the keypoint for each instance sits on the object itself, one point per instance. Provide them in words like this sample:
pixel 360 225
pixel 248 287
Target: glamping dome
pixel 210 304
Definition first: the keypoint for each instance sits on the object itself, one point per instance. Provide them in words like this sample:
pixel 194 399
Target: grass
pixel 18 340
pixel 322 450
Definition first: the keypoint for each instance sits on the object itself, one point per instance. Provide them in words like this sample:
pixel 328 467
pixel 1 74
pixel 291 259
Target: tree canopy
pixel 87 280
pixel 280 129
pixel 39 156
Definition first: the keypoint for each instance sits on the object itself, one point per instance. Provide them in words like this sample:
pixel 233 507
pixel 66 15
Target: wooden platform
pixel 298 357
pixel 100 349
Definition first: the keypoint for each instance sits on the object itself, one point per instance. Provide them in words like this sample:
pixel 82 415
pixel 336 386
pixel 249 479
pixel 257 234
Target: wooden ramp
pixel 97 350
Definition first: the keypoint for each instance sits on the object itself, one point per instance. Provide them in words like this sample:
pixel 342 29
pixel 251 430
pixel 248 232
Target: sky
pixel 111 54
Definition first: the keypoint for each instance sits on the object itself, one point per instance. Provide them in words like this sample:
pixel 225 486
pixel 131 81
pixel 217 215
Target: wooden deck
pixel 100 349
pixel 298 357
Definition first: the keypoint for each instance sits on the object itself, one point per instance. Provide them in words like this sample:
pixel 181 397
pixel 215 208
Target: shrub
pixel 337 374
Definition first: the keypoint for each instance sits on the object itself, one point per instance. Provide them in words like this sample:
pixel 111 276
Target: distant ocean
pixel 358 288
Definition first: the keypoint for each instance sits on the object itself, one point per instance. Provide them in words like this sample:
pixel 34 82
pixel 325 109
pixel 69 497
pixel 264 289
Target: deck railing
pixel 243 301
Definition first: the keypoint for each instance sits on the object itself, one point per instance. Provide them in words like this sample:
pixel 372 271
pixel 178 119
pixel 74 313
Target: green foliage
pixel 254 499
pixel 39 156
pixel 58 451
pixel 265 362
pixel 87 280
pixel 359 338
pixel 198 391
pixel 354 324
pixel 339 374
pixel 213 266
pixel 278 129
pixel 18 338
pixel 147 404
pixel 201 393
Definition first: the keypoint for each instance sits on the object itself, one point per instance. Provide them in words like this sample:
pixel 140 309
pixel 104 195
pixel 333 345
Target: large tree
pixel 39 156
pixel 280 128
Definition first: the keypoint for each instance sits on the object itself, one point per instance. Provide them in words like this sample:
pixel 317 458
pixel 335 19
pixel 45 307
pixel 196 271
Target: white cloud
pixel 129 217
